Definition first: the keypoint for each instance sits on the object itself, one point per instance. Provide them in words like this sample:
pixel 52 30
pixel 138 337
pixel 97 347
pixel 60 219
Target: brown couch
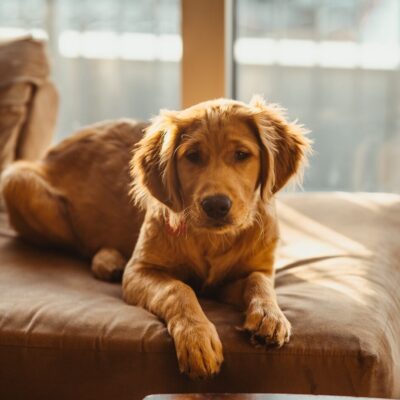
pixel 64 335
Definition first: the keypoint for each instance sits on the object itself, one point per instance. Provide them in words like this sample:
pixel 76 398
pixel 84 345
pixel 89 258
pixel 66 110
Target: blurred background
pixel 334 64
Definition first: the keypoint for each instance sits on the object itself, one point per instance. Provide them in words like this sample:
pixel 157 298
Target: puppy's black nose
pixel 216 207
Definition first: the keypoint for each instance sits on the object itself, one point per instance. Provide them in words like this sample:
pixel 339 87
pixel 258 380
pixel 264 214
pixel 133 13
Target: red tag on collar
pixel 179 230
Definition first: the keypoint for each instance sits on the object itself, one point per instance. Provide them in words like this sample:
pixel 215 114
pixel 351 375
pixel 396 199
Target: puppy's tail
pixel 36 210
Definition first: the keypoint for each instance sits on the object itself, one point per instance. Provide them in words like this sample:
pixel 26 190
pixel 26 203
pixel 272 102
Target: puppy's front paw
pixel 198 348
pixel 267 323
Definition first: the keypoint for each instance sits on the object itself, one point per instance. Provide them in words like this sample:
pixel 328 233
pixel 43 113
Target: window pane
pixel 334 64
pixel 111 58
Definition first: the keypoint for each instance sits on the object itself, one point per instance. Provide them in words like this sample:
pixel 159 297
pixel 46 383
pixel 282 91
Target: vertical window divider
pixel 230 34
pixel 203 66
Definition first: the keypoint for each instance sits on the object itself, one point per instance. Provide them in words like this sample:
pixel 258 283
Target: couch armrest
pixel 28 101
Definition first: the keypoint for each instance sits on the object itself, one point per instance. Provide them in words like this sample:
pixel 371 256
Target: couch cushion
pixel 65 335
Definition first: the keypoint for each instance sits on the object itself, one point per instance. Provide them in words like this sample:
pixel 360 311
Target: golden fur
pixel 77 197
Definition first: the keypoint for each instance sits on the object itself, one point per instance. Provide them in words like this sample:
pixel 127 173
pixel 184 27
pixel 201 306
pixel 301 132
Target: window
pixel 334 64
pixel 111 58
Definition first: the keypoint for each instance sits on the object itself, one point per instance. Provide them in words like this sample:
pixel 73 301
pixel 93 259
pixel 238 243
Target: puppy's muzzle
pixel 216 207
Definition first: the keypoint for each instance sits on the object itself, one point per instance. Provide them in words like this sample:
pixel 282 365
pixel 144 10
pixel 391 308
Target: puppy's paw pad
pixel 108 265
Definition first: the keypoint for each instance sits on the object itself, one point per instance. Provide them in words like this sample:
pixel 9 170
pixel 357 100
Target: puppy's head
pixel 213 162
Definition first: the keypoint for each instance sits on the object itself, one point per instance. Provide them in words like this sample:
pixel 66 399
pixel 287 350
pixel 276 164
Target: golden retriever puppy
pixel 205 178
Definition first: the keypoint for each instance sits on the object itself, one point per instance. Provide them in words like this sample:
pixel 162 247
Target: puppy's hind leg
pixel 108 265
pixel 36 209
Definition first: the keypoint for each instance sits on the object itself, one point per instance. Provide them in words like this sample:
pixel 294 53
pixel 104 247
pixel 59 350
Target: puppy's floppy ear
pixel 153 166
pixel 284 146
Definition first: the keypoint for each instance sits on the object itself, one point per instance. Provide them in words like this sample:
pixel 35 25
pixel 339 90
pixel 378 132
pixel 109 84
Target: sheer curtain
pixel 334 64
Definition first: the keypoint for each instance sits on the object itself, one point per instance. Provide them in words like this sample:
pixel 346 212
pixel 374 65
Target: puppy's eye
pixel 194 156
pixel 241 155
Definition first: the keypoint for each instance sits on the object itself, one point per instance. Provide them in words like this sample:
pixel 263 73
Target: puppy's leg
pixel 264 319
pixel 36 210
pixel 197 344
pixel 108 265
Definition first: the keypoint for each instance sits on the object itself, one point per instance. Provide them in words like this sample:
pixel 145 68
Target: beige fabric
pixel 28 101
pixel 65 335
